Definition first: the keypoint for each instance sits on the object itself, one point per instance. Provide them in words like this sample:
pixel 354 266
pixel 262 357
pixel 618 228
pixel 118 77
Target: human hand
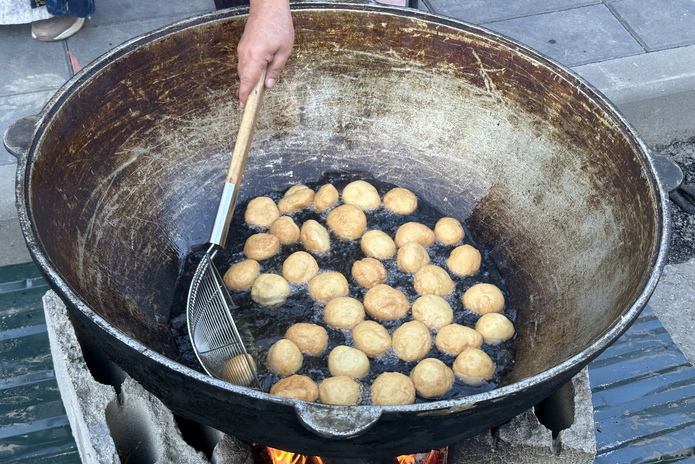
pixel 266 42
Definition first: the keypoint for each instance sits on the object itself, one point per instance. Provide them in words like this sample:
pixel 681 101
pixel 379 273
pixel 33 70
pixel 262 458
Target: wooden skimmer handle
pixel 246 129
pixel 230 191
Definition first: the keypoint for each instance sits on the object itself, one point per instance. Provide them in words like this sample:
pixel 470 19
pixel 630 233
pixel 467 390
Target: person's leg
pixel 69 17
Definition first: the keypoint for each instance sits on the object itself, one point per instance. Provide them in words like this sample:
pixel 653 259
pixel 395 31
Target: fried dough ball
pixel 296 198
pixel 345 360
pixel 299 387
pixel 432 280
pixel 454 338
pixel 449 231
pixel 386 303
pixel 285 229
pixel 414 232
pixel 311 339
pixel 393 388
pixel 369 272
pixel 495 328
pixel 261 246
pixel 483 298
pixel 433 311
pixel 240 276
pixel 328 285
pixel 361 194
pixel 411 341
pixel 432 378
pixel 341 390
pixel 315 237
pixel 371 338
pixel 377 244
pixel 270 290
pixel 348 222
pixel 400 201
pixel 411 257
pixel 325 198
pixel 343 312
pixel 284 357
pixel 473 366
pixel 261 212
pixel 299 267
pixel 238 371
pixel 464 261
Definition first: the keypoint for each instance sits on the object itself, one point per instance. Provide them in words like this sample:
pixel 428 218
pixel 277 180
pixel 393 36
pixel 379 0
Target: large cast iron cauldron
pixel 125 165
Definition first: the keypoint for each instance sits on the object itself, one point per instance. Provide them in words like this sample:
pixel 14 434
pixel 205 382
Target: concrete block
pixel 525 440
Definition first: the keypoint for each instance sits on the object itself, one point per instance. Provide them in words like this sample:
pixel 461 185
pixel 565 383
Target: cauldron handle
pixel 337 422
pixel 18 136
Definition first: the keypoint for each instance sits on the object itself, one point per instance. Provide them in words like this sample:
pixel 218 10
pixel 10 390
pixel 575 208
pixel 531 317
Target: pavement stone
pixel 485 11
pixel 572 37
pixel 658 25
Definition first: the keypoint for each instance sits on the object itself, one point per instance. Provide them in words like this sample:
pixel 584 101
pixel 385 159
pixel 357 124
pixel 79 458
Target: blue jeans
pixel 76 8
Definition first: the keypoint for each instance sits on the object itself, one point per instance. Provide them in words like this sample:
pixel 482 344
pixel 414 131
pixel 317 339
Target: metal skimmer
pixel 209 310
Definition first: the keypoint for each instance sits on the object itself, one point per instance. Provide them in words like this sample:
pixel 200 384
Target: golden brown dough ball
pixel 325 198
pixel 432 280
pixel 284 357
pixel 299 387
pixel 345 360
pixel 386 303
pixel 414 232
pixel 371 338
pixel 285 229
pixel 377 244
pixel 328 285
pixel 433 311
pixel 411 257
pixel 261 212
pixel 464 261
pixel 473 366
pixel 449 231
pixel 432 378
pixel 341 390
pixel 240 276
pixel 369 272
pixel 311 339
pixel 343 312
pixel 296 198
pixel 348 222
pixel 238 371
pixel 392 388
pixel 261 246
pixel 495 328
pixel 400 201
pixel 299 267
pixel 483 298
pixel 454 338
pixel 270 290
pixel 315 237
pixel 411 341
pixel 361 194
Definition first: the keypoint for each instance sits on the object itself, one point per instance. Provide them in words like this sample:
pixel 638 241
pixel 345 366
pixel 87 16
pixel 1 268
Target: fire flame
pixel 285 457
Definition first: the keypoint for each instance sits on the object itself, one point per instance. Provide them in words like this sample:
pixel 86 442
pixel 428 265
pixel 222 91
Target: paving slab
pixel 29 65
pixel 658 25
pixel 485 11
pixel 572 37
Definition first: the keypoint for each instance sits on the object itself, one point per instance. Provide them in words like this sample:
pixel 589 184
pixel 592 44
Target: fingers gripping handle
pixel 247 127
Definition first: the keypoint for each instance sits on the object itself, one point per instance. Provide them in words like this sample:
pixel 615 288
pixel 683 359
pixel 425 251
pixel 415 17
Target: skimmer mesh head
pixel 214 335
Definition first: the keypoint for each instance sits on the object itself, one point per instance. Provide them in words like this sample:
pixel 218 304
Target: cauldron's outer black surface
pixel 125 166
